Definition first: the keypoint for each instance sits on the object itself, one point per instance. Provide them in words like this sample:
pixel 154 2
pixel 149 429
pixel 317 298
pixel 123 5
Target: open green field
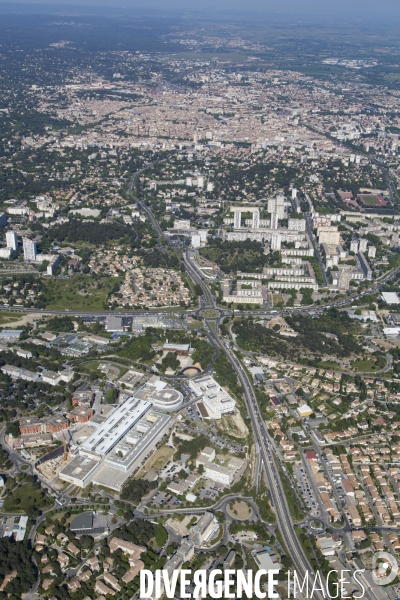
pixel 79 293
pixel 26 497
pixel 330 364
pixel 365 366
pixel 113 372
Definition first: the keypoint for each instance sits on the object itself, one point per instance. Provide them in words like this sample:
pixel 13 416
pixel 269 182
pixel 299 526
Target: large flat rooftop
pixel 118 423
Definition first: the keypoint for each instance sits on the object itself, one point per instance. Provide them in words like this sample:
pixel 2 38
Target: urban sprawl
pixel 199 309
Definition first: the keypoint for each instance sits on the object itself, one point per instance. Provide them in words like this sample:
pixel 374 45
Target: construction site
pixel 51 464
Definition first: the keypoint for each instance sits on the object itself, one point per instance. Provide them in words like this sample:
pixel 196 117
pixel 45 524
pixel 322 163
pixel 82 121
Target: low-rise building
pixel 215 399
pixel 102 588
pixel 112 581
pixel 63 560
pixel 81 414
pixel 132 550
pixel 218 473
pixel 179 349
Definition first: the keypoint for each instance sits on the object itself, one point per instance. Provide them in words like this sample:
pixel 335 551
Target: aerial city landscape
pixel 199 301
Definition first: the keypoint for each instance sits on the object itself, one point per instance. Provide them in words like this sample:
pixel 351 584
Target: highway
pixel 274 483
pixel 316 248
pixel 262 437
pixel 266 458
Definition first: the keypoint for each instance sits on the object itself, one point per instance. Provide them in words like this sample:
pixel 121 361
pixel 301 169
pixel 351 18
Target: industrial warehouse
pixel 119 445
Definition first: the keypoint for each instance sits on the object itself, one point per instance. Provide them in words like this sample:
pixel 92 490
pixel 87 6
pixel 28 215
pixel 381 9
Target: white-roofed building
pixel 117 446
pixel 390 298
pixel 216 400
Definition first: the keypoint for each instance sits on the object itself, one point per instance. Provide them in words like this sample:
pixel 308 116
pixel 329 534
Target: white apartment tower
pixel 12 240
pixel 271 205
pixel 354 246
pixel 256 220
pixel 237 219
pixel 276 241
pixel 30 249
pixel 276 207
pixel 274 220
pixel 363 244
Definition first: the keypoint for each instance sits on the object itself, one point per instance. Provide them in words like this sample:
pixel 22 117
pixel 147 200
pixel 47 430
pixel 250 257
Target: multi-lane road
pixel 262 438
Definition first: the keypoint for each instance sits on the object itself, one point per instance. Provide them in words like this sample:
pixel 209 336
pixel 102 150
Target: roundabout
pixel 210 313
pixel 239 510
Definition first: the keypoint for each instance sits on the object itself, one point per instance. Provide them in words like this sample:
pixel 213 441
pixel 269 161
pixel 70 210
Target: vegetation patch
pixel 139 349
pixel 92 232
pixel 28 498
pixel 236 256
pixel 16 557
pixel 365 366
pixel 331 334
pixel 191 447
pixel 81 292
pixel 135 489
pixel 209 313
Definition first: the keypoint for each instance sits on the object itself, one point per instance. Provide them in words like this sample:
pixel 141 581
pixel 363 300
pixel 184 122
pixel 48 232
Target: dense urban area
pixel 199 302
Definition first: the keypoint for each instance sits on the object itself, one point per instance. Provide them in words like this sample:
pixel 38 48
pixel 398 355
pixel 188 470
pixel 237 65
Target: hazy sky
pixel 341 8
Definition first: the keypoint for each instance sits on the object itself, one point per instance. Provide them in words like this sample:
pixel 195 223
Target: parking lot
pixel 305 489
pixel 172 468
pixel 244 536
pixel 210 490
pixel 166 500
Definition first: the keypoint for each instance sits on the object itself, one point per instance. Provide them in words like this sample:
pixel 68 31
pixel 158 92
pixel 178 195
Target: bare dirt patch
pixel 386 344
pixel 233 425
pixel 240 510
pixel 183 525
pixel 158 459
pixel 19 320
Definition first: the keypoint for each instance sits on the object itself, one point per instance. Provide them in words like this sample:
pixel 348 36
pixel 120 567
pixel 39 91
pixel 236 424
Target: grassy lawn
pixel 195 324
pixel 330 364
pixel 25 497
pixel 371 200
pixel 213 326
pixel 115 370
pixel 209 313
pixel 365 365
pixel 79 293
